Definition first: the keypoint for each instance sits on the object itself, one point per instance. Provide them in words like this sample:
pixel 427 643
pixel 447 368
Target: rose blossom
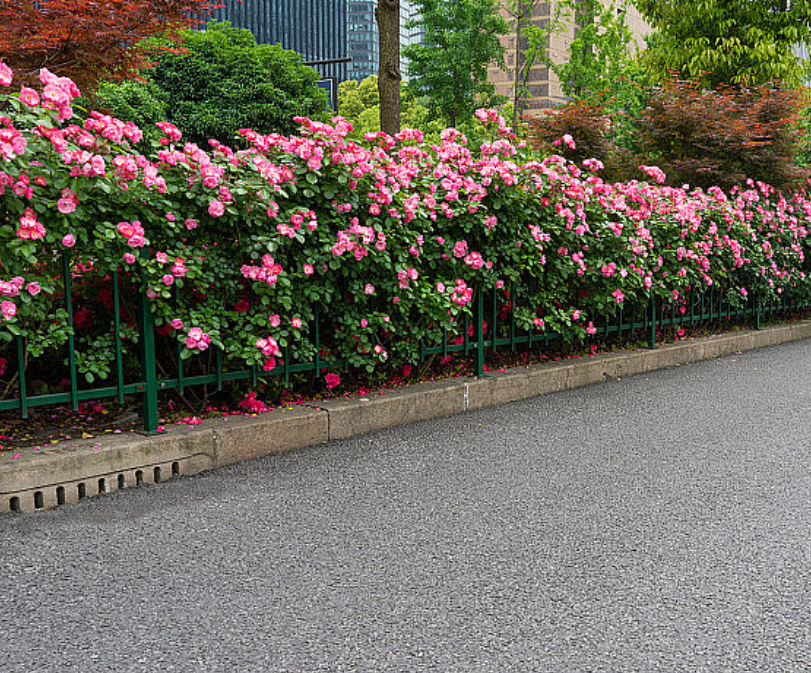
pixel 68 240
pixel 216 208
pixel 6 74
pixel 9 309
pixel 29 97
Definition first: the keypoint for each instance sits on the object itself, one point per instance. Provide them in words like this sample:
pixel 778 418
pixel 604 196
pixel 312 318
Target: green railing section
pixel 494 329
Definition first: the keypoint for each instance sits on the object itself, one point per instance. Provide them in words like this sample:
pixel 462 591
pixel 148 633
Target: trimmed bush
pixel 385 241
pixel 218 81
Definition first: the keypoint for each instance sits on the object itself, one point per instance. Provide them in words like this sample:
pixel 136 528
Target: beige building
pixel 543 86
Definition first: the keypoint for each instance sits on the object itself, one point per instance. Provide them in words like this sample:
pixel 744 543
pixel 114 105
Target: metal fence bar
pixel 119 359
pixel 21 374
pixel 512 316
pixel 149 408
pixel 478 334
pixel 475 338
pixel 495 321
pixel 65 398
pixel 317 346
pixel 218 367
pixel 74 383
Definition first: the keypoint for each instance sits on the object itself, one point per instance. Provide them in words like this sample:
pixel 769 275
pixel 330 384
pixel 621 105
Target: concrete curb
pixel 33 480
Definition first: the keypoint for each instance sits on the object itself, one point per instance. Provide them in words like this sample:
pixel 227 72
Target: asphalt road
pixel 655 523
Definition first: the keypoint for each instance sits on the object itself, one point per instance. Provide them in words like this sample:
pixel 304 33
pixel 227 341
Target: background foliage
pixel 221 81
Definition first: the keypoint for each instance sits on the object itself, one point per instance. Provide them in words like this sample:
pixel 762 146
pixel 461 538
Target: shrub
pixel 381 245
pixel 219 81
pixel 721 137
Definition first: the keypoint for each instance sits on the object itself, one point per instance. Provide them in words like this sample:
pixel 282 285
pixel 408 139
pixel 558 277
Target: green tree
pixel 219 82
pixel 600 57
pixel 601 70
pixel 450 66
pixel 530 46
pixel 359 103
pixel 138 101
pixel 727 42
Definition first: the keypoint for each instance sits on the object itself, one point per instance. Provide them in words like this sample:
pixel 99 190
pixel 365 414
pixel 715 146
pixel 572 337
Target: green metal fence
pixel 493 330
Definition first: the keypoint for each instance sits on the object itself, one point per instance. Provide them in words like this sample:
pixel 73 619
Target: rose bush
pixel 380 246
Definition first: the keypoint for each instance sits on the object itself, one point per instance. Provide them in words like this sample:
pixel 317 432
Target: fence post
pixel 148 367
pixel 74 383
pixel 652 324
pixel 478 367
pixel 757 312
pixel 21 374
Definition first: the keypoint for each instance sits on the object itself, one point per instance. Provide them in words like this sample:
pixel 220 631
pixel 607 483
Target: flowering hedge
pixel 386 240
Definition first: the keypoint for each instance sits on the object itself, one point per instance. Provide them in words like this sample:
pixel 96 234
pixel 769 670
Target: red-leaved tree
pixel 87 40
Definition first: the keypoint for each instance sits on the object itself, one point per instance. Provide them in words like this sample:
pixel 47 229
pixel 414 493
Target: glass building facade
pixel 362 39
pixel 316 29
pixel 364 42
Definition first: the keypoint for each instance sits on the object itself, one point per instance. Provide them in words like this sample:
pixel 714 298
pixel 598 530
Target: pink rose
pixel 308 269
pixel 191 224
pixel 68 240
pixel 369 289
pixel 332 380
pixel 296 323
pixel 168 279
pixel 29 97
pixel 33 288
pixel 65 206
pixel 6 74
pixel 275 320
pixel 9 309
pixel 216 208
pixel 177 323
pixel 129 258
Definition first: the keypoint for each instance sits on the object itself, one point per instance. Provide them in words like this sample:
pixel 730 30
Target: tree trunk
pixel 387 15
pixel 519 32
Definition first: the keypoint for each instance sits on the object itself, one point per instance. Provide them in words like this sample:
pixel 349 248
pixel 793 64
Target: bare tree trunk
pixel 387 15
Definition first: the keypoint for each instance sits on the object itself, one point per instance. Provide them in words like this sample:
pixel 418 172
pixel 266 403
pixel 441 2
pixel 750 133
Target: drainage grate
pixel 47 497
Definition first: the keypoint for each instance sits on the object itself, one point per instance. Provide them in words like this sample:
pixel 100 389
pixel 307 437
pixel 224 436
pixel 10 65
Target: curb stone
pixel 34 480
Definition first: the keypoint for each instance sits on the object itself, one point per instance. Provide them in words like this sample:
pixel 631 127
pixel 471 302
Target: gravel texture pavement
pixel 658 523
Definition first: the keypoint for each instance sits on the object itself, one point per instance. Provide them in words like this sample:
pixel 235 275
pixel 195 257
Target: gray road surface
pixel 655 524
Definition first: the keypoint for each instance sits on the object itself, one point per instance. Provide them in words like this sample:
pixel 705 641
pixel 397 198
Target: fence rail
pixel 493 330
